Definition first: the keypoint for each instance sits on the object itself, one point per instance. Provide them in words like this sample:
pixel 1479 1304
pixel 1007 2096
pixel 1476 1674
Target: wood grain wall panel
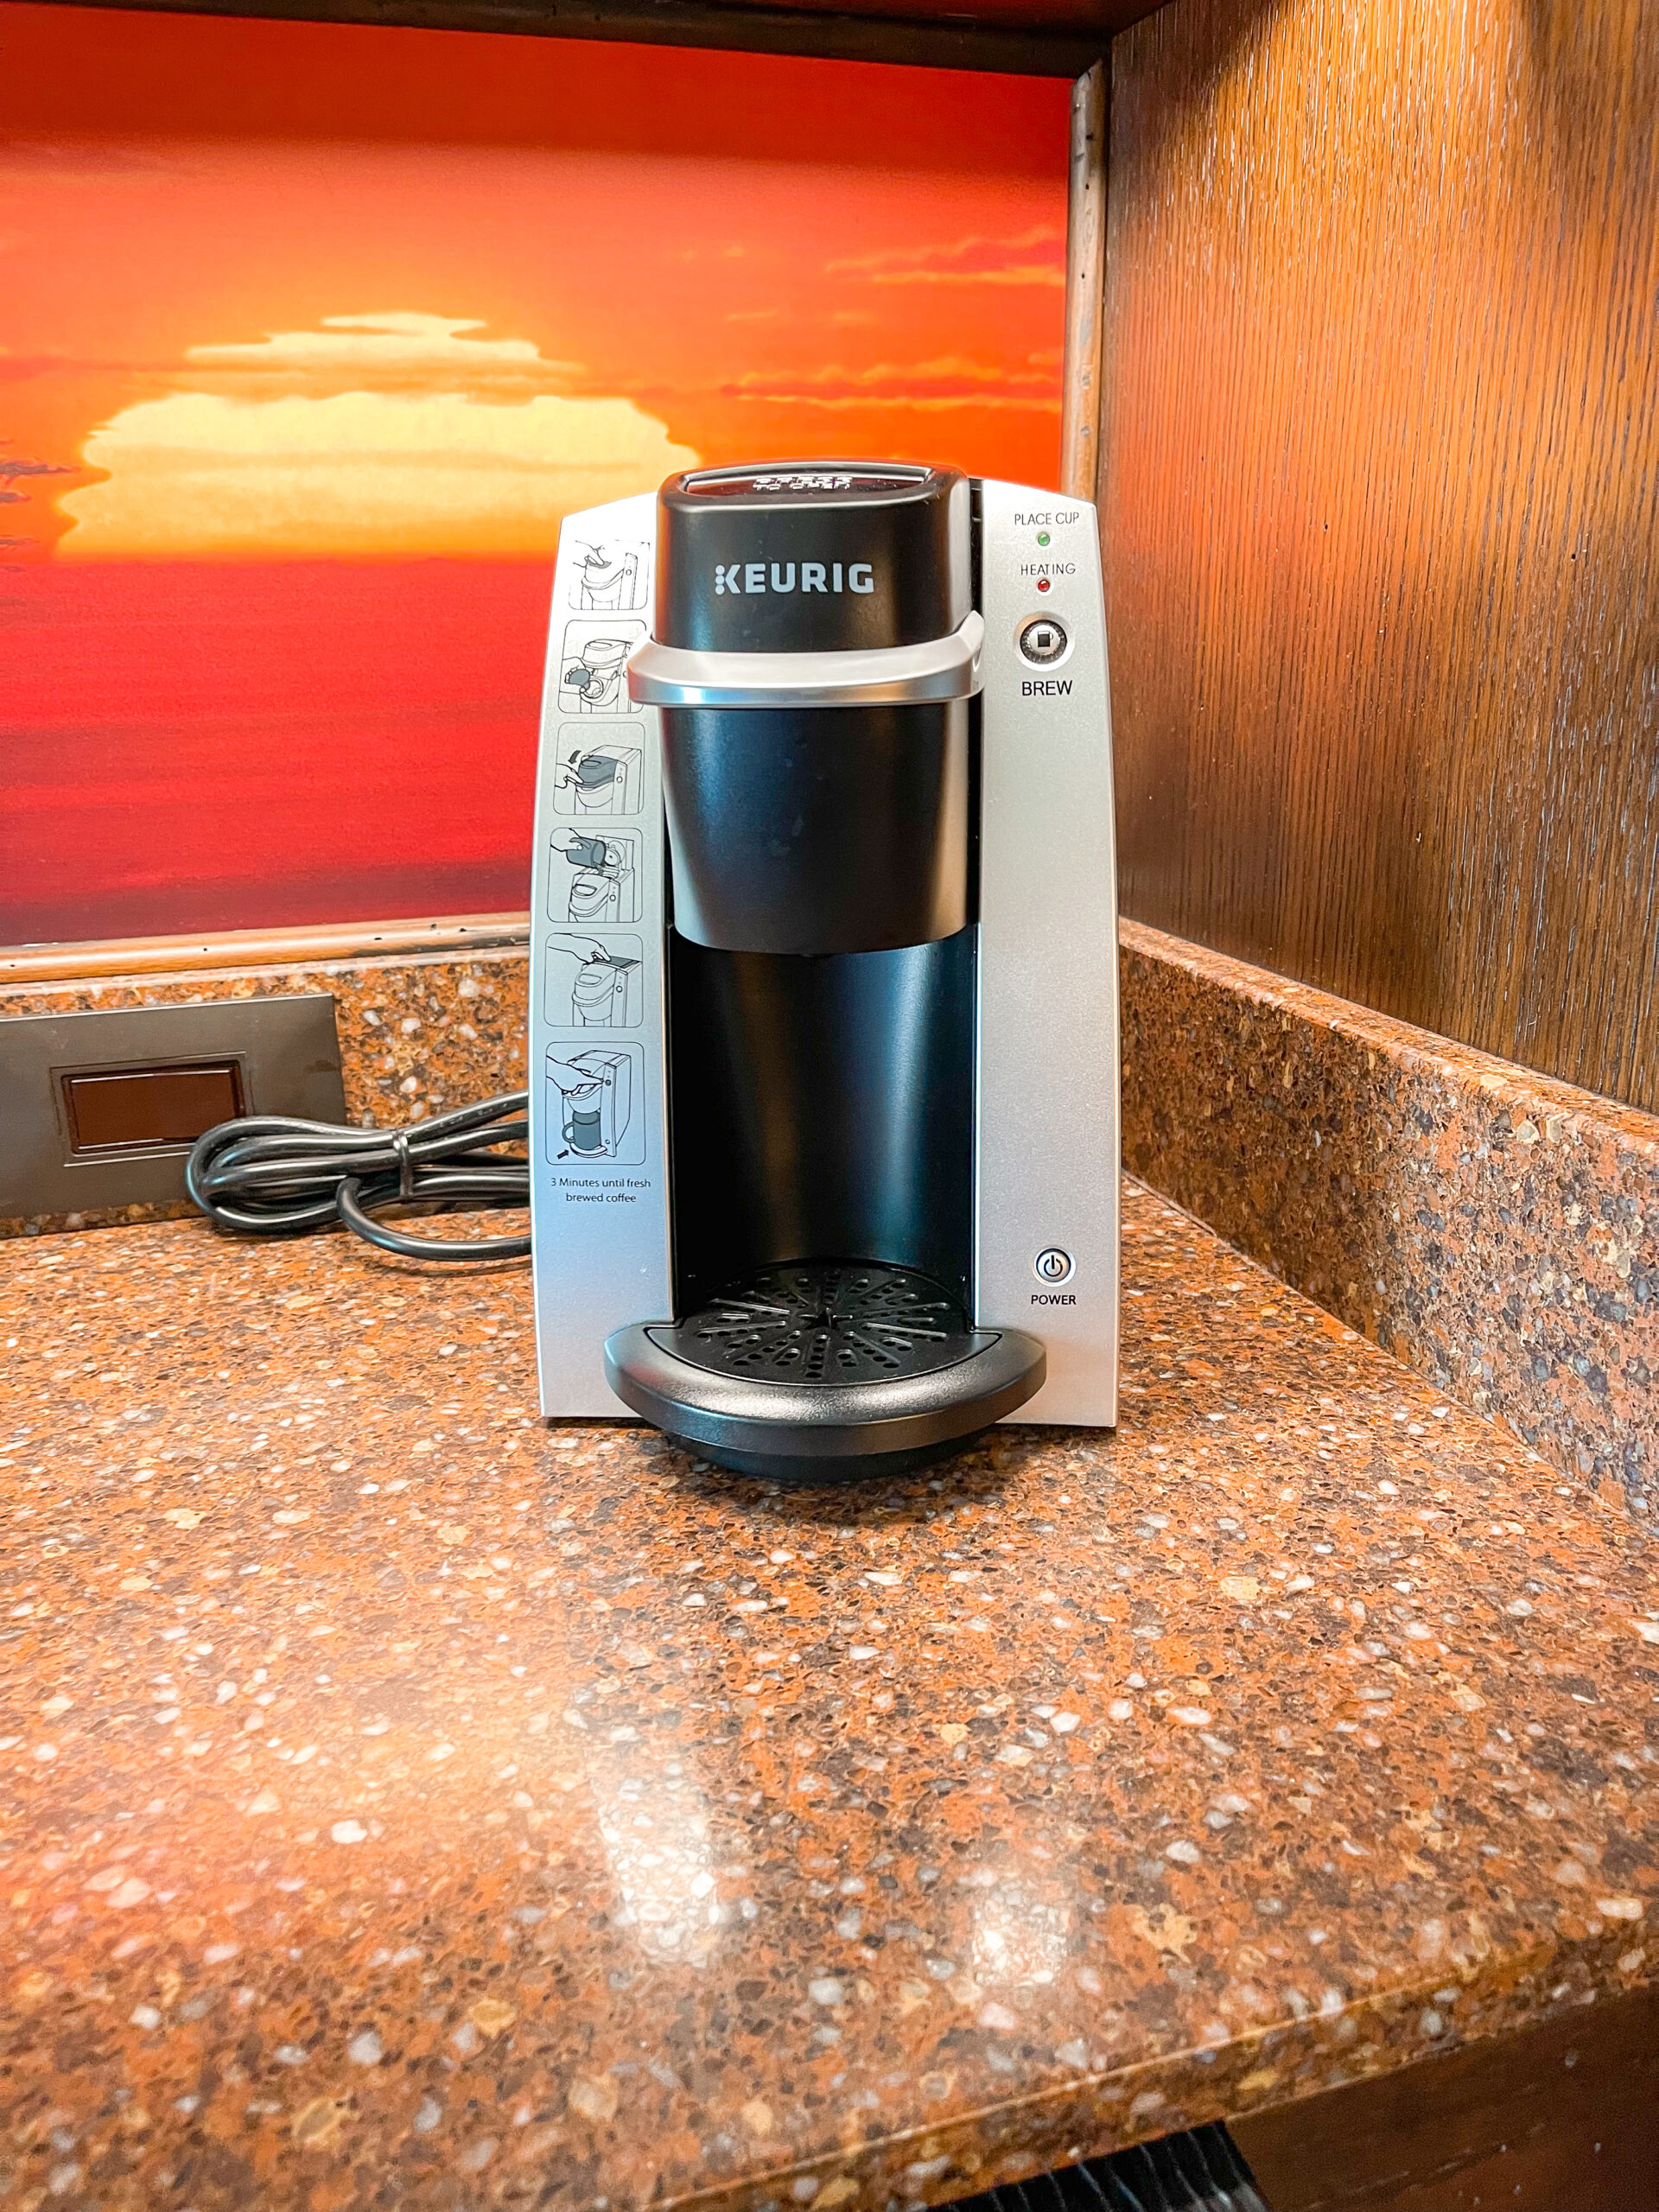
pixel 1379 465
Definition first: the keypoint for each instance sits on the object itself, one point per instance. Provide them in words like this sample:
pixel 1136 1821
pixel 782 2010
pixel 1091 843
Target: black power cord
pixel 274 1175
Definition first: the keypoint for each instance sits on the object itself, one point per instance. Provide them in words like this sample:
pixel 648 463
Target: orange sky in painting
pixel 282 291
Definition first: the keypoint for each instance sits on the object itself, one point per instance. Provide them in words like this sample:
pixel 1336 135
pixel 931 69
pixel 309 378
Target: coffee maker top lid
pixel 812 557
pixel 818 480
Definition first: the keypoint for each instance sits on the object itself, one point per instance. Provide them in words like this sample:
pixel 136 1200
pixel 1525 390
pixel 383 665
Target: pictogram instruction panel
pixel 598 1096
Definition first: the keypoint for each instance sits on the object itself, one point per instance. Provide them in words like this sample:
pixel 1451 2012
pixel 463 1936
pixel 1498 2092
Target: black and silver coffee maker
pixel 826 1174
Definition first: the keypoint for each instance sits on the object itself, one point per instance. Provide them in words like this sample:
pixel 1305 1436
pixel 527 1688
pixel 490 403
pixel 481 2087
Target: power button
pixel 1043 640
pixel 1052 1265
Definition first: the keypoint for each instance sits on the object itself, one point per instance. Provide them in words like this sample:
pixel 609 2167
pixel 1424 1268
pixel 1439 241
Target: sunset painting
pixel 312 335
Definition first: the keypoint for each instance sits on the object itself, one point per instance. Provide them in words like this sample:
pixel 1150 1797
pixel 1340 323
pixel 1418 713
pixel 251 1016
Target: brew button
pixel 1052 1265
pixel 1043 640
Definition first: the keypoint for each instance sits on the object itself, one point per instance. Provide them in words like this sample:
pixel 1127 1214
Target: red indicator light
pixel 1042 583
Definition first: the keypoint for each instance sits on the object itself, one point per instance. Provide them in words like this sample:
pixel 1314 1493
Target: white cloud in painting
pixel 378 437
pixel 394 351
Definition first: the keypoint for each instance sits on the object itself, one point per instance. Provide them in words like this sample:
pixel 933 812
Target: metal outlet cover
pixel 286 1051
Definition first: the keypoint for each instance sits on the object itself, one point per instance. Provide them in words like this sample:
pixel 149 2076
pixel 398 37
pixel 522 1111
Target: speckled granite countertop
pixel 405 1804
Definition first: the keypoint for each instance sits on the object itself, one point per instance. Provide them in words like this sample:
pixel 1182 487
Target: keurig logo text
pixel 756 576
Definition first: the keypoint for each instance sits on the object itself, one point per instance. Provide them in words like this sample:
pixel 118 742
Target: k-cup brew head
pixel 812 557
pixel 809 818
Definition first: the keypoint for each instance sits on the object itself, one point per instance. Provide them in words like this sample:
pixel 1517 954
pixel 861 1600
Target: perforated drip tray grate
pixel 827 1323
pixel 824 1370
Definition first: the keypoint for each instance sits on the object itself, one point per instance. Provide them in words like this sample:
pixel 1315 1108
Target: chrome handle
pixel 890 675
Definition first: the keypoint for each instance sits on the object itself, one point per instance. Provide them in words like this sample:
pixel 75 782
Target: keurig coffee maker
pixel 824 1122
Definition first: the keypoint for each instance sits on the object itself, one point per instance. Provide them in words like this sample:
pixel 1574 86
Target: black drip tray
pixel 818 1371
pixel 1201 2170
pixel 825 1322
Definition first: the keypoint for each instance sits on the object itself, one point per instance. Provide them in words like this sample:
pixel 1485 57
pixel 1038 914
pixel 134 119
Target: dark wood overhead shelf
pixel 1037 37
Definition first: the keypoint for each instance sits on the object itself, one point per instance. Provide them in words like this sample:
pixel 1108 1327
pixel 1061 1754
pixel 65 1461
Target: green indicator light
pixel 1042 538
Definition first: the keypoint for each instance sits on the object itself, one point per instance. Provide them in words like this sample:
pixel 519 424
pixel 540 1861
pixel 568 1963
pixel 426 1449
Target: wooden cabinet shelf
pixel 1041 37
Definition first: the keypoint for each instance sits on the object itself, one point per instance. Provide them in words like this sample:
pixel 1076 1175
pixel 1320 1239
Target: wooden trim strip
pixel 1086 268
pixel 167 956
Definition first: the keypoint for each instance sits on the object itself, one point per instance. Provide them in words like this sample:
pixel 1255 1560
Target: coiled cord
pixel 274 1175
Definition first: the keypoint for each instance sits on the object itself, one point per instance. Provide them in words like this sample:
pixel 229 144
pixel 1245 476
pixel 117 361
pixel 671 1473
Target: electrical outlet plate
pixel 276 1056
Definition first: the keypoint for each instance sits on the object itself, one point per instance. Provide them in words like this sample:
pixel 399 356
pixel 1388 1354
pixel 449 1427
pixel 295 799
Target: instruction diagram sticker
pixel 594 876
pixel 596 1104
pixel 610 579
pixel 594 982
pixel 594 665
pixel 598 771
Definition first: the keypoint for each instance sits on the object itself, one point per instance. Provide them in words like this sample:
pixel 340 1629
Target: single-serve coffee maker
pixel 824 1099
